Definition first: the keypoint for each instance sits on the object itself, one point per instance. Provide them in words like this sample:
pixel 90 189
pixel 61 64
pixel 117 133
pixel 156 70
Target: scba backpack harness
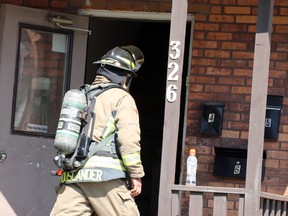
pixel 72 142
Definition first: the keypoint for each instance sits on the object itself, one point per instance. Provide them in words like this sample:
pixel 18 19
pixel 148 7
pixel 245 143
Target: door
pixel 148 88
pixel 39 62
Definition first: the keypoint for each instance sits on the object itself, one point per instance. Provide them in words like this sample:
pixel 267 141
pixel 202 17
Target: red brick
pixel 280 38
pixel 281 155
pixel 242 55
pixel 13 2
pixel 234 45
pixel 37 4
pixel 282 47
pixel 230 98
pixel 221 18
pixel 205 158
pixel 271 181
pixel 237 10
pixel 278 56
pixel 198 70
pixel 165 6
pixel 278 86
pixel 232 116
pixel 233 63
pixel 218 71
pixel 281 3
pixel 201 17
pixel 237 125
pixel 80 4
pixel 238 107
pixel 282 20
pixel 271 145
pixel 119 5
pixel 217 88
pixel 272 163
pixel 145 6
pixel 241 90
pixel 199 8
pixel 219 36
pixel 246 19
pixel 97 4
pixel 202 79
pixel 244 37
pixel 281 29
pixel 276 189
pixel 216 9
pixel 204 61
pixel 197 52
pixel 198 35
pixel 232 81
pixel 281 65
pixel 252 28
pixel 206 26
pixel 229 27
pixel 217 53
pixel 59 4
pixel 223 2
pixel 283 164
pixel 204 44
pixel 275 90
pixel 202 166
pixel 201 96
pixel 283 11
pixel 248 2
pixel 244 135
pixel 196 88
pixel 230 134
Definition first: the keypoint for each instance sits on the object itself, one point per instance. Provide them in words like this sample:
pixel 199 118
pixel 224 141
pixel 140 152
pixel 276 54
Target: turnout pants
pixel 110 198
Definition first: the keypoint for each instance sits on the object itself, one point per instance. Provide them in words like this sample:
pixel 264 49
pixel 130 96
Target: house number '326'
pixel 171 92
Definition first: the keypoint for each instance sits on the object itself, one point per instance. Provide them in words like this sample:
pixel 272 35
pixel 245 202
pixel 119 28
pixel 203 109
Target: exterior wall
pixel 222 64
pixel 221 70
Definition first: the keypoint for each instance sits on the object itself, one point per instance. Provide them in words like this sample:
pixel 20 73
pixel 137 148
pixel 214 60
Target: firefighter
pixel 110 180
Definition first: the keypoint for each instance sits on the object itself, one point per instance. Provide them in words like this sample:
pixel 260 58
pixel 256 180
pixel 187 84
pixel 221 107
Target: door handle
pixel 3 156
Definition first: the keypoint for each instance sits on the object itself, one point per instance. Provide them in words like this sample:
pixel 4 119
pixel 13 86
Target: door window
pixel 42 72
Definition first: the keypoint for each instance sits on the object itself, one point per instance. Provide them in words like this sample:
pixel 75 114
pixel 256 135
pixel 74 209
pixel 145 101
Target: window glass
pixel 41 74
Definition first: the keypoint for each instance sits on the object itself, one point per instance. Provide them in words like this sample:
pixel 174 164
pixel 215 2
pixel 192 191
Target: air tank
pixel 70 121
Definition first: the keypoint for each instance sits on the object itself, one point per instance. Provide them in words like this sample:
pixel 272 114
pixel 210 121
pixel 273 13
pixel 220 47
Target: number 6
pixel 171 93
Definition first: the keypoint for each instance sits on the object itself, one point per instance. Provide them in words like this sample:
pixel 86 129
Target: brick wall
pixel 221 70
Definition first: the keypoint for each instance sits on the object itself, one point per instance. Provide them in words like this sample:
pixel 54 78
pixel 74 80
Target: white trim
pixel 137 15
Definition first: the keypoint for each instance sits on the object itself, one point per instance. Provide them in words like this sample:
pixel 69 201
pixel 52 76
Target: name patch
pixel 82 175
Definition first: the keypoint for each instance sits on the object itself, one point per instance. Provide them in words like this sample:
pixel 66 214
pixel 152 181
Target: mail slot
pixel 230 162
pixel 272 119
pixel 212 118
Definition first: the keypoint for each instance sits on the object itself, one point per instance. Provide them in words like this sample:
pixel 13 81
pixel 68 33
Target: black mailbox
pixel 212 117
pixel 272 119
pixel 230 162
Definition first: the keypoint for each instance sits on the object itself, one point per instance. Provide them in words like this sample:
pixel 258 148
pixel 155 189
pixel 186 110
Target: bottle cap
pixel 192 151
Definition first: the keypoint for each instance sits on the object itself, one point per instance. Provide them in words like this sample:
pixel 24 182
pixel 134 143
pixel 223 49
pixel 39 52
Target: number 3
pixel 175 49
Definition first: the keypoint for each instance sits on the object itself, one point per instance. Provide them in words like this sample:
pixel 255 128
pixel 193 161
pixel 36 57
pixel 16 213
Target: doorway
pixel 148 89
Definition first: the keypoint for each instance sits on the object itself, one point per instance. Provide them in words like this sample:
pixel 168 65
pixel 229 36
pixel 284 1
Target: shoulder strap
pixel 91 93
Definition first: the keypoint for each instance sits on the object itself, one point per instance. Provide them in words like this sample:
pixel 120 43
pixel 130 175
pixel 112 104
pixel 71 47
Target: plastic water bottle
pixel 191 168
